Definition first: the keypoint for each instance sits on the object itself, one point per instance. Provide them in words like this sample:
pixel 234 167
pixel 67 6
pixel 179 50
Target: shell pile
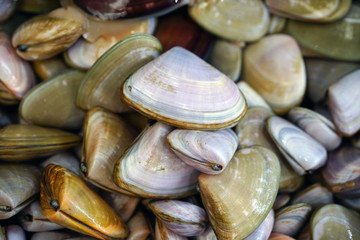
pixel 179 119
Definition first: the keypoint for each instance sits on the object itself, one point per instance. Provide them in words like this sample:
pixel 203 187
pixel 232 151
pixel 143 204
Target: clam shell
pixel 83 54
pixel 76 206
pixel 303 153
pixel 43 37
pixel 334 221
pixel 341 172
pixel 102 82
pixel 239 199
pixel 16 75
pixel 106 137
pixel 162 233
pixel 179 30
pixel 316 195
pixel 32 219
pixel 251 131
pixel 65 160
pixel 264 230
pixel 321 73
pixel 307 11
pixel 317 126
pixel 353 203
pixel 208 234
pixel 180 89
pixel 14 232
pixel 53 103
pixel 291 219
pixel 19 186
pixel 344 103
pixel 345 32
pixel 123 205
pixel 227 57
pixel 150 169
pixel 234 20
pixel 275 68
pixel 252 97
pixel 281 201
pixel 118 9
pixel 24 142
pixel 208 152
pixel 48 68
pixel 277 24
pixel 183 218
pixel 139 228
pixel 56 235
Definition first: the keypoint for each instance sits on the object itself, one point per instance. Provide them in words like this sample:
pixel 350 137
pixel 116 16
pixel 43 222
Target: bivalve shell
pixel 239 199
pixel 180 89
pixel 344 103
pixel 275 68
pixel 208 152
pixel 303 153
pixel 150 169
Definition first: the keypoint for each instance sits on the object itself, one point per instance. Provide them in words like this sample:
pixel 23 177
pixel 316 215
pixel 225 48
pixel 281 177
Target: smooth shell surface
pixel 208 152
pixel 32 219
pixel 329 39
pixel 102 82
pixel 251 131
pixel 290 220
pixel 76 206
pixel 64 159
pixel 83 54
pixel 24 142
pixel 334 221
pixel 123 205
pixel 180 89
pixel 341 172
pixel 44 37
pixel 316 195
pixel 344 103
pixel 317 126
pixel 302 152
pixel 53 103
pixel 162 233
pixel 139 227
pixel 106 137
pixel 252 97
pixel 183 218
pixel 49 67
pixel 264 230
pixel 321 73
pixel 239 199
pixel 275 68
pixel 234 20
pixel 16 75
pixel 150 169
pixel 19 185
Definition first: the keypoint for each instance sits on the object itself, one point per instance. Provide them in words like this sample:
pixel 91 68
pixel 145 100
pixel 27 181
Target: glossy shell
pixel 249 184
pixel 182 90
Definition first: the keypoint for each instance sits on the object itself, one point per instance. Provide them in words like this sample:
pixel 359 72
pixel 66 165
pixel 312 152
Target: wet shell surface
pixel 24 142
pixel 317 126
pixel 275 68
pixel 16 75
pixel 19 186
pixel 182 90
pixel 233 20
pixel 248 185
pixel 102 82
pixel 106 137
pixel 334 221
pixel 76 206
pixel 208 152
pixel 344 103
pixel 163 233
pixel 183 218
pixel 252 97
pixel 302 152
pixel 316 195
pixel 53 103
pixel 341 172
pixel 264 230
pixel 150 169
